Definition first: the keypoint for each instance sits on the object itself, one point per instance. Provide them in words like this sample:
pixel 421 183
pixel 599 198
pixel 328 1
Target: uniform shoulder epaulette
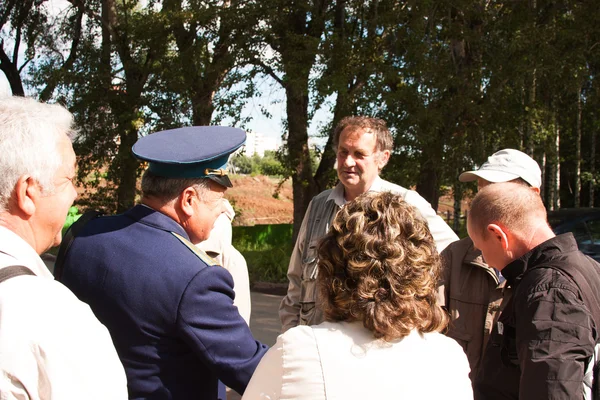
pixel 197 251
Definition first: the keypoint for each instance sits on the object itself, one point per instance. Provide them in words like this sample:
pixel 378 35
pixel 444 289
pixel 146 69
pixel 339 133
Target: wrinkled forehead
pixel 67 154
pixel 356 134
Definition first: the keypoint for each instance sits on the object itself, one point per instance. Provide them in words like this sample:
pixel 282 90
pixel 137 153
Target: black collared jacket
pixel 545 337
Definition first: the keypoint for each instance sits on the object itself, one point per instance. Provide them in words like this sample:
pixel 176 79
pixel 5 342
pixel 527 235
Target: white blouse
pixel 344 361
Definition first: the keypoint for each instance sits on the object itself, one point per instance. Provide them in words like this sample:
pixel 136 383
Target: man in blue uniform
pixel 168 306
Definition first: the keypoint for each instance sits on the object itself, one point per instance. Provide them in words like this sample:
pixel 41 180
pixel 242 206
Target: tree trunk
pixel 544 192
pixel 530 128
pixel 55 78
pixel 592 168
pixel 427 185
pixel 12 74
pixel 457 192
pixel 531 99
pixel 105 50
pixel 202 108
pixel 577 188
pixel 127 167
pixel 555 174
pixel 325 172
pixel 303 185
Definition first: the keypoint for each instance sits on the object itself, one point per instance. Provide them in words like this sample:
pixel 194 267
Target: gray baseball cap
pixel 506 165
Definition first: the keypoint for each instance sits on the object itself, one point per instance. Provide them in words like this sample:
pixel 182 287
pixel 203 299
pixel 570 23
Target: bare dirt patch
pixel 254 200
pixel 255 203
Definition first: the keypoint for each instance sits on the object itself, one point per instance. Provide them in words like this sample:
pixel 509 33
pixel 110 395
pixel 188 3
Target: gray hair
pixel 168 189
pixel 29 135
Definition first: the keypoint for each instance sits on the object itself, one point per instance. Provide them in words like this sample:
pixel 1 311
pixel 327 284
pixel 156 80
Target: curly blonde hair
pixel 378 264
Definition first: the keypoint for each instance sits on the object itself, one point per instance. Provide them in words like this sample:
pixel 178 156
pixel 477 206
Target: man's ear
pixel 384 157
pixel 26 194
pixel 186 201
pixel 498 234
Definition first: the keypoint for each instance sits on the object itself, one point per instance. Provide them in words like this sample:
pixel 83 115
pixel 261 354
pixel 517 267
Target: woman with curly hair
pixel 378 272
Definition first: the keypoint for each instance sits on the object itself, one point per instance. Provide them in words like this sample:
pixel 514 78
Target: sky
pixel 272 98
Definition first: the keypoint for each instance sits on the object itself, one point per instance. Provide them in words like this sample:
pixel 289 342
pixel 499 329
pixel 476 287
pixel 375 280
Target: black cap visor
pixel 222 180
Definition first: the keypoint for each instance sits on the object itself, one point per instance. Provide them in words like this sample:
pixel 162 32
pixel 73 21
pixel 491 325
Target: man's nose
pixel 349 161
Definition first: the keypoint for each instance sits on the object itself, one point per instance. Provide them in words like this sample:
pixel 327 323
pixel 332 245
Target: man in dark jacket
pixel 473 292
pixel 168 306
pixel 543 342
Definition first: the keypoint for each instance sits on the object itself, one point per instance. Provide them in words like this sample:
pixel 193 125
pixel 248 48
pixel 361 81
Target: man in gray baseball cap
pixel 471 291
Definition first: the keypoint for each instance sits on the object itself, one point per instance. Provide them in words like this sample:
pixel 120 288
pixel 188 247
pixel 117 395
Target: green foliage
pixel 454 80
pixel 72 216
pixel 269 164
pixel 267 250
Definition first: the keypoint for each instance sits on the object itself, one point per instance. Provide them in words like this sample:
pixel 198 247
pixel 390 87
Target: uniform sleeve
pixel 554 340
pixel 212 326
pixel 442 234
pixel 289 309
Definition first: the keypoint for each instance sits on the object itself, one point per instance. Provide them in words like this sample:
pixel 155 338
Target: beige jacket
pixel 51 344
pixel 299 307
pixel 472 293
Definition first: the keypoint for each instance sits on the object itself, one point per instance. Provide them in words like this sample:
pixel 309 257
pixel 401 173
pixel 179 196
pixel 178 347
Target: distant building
pixel 257 143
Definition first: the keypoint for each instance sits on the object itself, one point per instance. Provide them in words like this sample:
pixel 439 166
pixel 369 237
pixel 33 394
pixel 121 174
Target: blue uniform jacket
pixel 169 312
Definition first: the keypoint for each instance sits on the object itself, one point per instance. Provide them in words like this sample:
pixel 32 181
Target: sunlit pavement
pixel 264 323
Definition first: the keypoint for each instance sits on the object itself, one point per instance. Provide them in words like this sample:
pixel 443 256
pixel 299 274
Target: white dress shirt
pixel 51 344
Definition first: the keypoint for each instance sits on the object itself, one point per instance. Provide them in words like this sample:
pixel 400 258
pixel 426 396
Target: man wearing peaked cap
pixel 167 305
pixel 472 291
pixel 504 166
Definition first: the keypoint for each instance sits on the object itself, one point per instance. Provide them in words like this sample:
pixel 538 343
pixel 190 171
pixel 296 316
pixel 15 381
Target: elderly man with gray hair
pixel 51 344
pixel 543 343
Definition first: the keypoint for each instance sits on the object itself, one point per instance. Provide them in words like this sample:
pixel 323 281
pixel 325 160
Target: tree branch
pixel 268 71
pixel 70 61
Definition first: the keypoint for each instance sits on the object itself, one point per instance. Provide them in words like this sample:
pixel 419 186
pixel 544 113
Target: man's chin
pixel 57 240
pixel 349 181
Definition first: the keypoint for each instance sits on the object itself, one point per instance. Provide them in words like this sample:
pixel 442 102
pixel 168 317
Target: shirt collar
pixel 16 251
pixel 544 253
pixel 337 194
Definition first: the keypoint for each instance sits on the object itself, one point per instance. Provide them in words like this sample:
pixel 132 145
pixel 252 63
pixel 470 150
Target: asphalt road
pixel 264 319
pixel 264 323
